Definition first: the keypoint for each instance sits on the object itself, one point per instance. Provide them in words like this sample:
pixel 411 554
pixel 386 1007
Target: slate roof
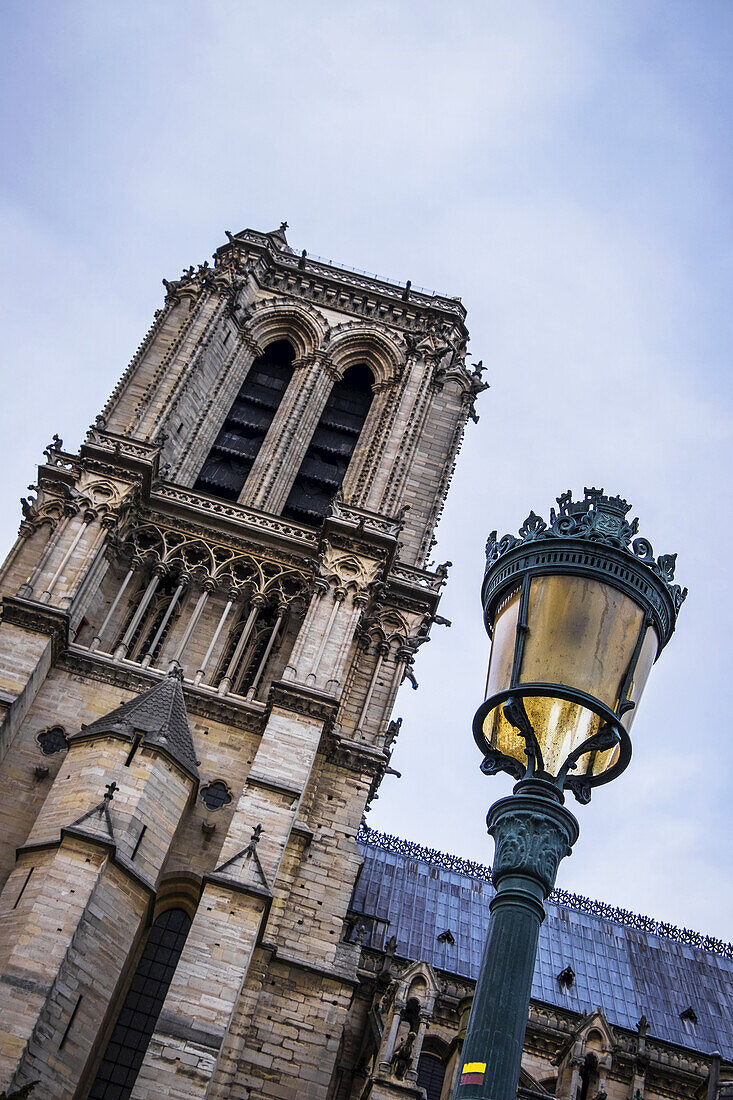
pixel 160 714
pixel 626 971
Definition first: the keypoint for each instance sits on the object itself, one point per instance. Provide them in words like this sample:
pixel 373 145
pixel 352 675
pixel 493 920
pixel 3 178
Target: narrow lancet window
pixel 225 470
pixel 327 458
pixel 139 1014
pixel 148 629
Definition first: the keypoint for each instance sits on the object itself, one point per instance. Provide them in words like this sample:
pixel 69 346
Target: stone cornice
pixel 234 520
pixel 38 618
pixel 274 785
pixel 113 455
pixel 302 830
pixel 328 285
pixel 325 971
pixel 356 756
pixel 216 878
pixel 241 714
pixel 287 695
pixel 415 589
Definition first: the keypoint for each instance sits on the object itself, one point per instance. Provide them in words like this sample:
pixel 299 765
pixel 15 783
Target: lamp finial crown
pixel 597 518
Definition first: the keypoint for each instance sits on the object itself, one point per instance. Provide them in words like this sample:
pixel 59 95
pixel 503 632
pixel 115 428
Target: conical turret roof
pixel 160 715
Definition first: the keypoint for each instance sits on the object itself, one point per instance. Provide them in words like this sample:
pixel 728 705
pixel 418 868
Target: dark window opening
pixel 152 620
pixel 22 889
pixel 328 456
pixel 566 978
pixel 430 1075
pixel 588 1075
pixel 136 742
pixel 139 1014
pixel 225 471
pixel 249 661
pixel 53 740
pixel 215 795
pixel 147 628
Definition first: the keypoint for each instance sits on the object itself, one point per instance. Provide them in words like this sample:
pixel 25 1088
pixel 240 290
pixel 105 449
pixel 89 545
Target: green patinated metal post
pixel 533 832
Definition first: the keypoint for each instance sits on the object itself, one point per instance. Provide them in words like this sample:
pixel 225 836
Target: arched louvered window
pixel 138 1016
pixel 327 458
pixel 430 1075
pixel 224 472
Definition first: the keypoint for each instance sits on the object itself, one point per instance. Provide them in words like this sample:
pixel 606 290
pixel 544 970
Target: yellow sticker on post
pixel 473 1073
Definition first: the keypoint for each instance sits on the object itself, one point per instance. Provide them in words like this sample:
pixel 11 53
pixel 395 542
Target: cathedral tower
pixel 205 620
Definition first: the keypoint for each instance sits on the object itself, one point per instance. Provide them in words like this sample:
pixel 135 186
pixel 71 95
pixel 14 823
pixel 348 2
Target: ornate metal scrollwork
pixel 530 840
pixel 599 519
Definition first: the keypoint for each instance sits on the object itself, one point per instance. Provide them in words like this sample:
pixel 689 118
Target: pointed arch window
pixel 327 458
pixel 139 1014
pixel 225 471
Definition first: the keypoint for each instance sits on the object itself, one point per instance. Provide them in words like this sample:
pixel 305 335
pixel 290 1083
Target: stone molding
pixel 237 516
pixel 38 618
pixel 356 756
pixel 242 714
pixel 302 700
pixel 329 285
pixel 217 878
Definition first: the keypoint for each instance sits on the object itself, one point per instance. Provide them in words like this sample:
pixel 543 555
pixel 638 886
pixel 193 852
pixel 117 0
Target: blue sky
pixel 566 169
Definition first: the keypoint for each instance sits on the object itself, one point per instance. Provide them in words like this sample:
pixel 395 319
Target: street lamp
pixel 578 611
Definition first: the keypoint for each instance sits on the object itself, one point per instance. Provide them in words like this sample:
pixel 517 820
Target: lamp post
pixel 578 611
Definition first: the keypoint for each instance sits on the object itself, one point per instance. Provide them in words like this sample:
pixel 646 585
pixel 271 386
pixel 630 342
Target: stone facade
pixel 196 696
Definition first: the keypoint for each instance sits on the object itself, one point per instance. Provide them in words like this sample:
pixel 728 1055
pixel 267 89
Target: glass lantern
pixel 577 613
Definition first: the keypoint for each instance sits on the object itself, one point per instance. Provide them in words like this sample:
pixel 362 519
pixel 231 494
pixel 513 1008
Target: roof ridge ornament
pixel 278 235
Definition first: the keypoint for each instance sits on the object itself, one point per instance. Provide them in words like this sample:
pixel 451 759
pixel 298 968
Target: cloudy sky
pixel 566 169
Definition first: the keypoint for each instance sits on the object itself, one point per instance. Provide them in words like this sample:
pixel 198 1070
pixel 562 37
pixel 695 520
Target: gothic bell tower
pixel 205 620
